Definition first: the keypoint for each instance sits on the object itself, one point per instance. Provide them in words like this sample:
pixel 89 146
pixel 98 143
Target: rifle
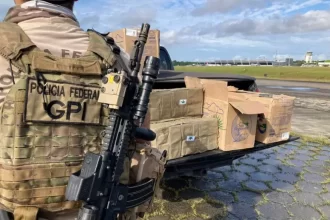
pixel 97 183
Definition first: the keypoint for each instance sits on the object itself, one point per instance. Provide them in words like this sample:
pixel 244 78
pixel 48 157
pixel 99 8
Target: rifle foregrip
pixel 145 134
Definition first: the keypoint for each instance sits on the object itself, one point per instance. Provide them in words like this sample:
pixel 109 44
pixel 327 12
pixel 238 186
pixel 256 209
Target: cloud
pixel 311 21
pixel 322 57
pixel 252 7
pixel 221 29
pixel 170 37
pixel 208 49
pixel 222 6
pixel 237 57
pixel 141 15
pixel 311 39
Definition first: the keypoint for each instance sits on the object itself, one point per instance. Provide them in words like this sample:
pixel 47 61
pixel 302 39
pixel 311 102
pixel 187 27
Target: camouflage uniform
pixel 39 151
pixel 54 33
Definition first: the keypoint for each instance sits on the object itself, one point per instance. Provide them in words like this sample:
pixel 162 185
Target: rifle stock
pixel 97 184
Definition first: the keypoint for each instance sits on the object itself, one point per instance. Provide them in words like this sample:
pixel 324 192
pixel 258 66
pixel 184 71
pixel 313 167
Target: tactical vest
pixel 49 120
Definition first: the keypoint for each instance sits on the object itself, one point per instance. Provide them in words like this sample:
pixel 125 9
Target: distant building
pixel 244 62
pixel 289 61
pixel 309 57
pixel 324 64
pixel 286 62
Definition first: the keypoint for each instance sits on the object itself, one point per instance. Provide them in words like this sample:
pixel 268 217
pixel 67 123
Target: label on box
pixel 183 102
pixel 190 138
pixel 131 32
pixel 285 136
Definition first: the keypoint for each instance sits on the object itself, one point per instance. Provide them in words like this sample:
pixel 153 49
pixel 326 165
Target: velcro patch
pixel 62 102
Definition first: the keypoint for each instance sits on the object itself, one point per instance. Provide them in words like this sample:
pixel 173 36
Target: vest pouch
pixel 147 162
pixel 62 102
pixel 49 120
pixel 46 129
pixel 47 63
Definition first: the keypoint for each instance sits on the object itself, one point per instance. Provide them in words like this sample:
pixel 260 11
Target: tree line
pixel 188 63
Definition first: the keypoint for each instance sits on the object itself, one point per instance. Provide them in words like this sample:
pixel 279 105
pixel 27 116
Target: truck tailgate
pixel 214 158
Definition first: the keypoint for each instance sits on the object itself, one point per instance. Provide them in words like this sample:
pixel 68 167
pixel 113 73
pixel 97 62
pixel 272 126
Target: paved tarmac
pixel 311 122
pixel 313 90
pixel 286 182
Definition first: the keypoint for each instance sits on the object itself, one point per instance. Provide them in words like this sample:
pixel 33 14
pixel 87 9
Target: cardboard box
pixel 125 39
pixel 275 124
pixel 188 136
pixel 237 118
pixel 169 104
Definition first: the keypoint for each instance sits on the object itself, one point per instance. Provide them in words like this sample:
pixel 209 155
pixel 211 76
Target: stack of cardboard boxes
pixel 274 125
pixel 247 116
pixel 237 116
pixel 208 115
pixel 176 118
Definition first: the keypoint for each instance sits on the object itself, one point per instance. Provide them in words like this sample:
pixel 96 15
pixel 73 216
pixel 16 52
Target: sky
pixel 207 30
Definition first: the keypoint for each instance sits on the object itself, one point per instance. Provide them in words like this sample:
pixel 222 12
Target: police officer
pixel 52 26
pixel 36 170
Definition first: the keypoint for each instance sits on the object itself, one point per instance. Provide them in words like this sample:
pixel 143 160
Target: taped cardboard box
pixel 168 104
pixel 237 118
pixel 188 136
pixel 275 124
pixel 125 39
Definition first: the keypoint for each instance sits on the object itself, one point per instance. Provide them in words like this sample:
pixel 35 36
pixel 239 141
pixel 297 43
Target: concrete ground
pixel 311 122
pixel 287 182
pixel 312 90
pixel 291 181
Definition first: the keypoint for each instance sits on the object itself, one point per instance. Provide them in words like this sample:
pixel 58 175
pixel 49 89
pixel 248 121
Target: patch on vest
pixel 62 102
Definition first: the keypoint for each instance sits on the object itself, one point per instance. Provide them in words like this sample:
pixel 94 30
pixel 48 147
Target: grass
pixel 327 181
pixel 305 139
pixel 316 74
pixel 235 196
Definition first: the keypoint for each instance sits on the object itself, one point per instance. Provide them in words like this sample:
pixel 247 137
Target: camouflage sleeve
pixel 8 75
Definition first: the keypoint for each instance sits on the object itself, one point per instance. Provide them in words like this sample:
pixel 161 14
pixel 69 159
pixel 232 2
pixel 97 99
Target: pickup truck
pixel 199 163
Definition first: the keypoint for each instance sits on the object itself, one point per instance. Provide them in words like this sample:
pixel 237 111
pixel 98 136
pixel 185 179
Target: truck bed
pixel 188 165
pixel 168 79
pixel 211 159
